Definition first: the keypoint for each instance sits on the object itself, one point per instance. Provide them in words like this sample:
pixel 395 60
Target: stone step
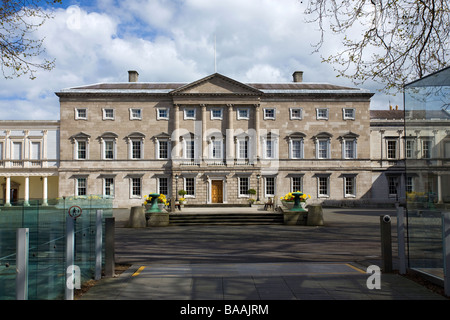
pixel 216 205
pixel 225 219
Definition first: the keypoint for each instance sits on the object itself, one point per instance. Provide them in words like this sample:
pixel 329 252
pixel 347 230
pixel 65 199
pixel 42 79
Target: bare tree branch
pixel 18 46
pixel 389 41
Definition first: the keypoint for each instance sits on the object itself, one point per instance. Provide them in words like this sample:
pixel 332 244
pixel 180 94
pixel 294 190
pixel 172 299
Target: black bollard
pixel 386 243
pixel 109 247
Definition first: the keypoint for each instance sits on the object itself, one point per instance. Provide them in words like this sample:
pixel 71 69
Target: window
pixel 322 186
pixel 348 113
pixel 243 113
pixel 108 187
pixel 392 185
pixel 17 151
pixel 81 150
pixel 189 114
pixel 163 149
pixel 136 149
pixel 136 187
pixel 446 149
pixel 322 114
pixel 269 149
pixel 1 150
pixel 297 149
pixel 190 149
pixel 162 114
pixel 270 186
pixel 296 184
pixel 81 188
pixel 109 149
pixel 108 114
pixel 269 146
pixel 189 186
pixel 216 114
pixel 323 149
pixel 243 149
pixel 349 187
pixel 35 151
pixel 269 114
pixel 409 184
pixel 80 114
pixel 392 149
pixel 135 114
pixel 409 149
pixel 216 149
pixel 426 149
pixel 163 186
pixel 296 113
pixel 244 186
pixel 349 149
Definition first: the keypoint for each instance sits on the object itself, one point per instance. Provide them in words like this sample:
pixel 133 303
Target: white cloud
pixel 168 40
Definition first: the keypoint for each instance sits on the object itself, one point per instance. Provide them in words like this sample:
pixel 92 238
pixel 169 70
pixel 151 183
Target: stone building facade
pixel 29 160
pixel 387 136
pixel 216 138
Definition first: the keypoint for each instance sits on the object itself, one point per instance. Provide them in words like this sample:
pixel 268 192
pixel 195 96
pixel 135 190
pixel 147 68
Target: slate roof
pixel 168 87
pixel 387 114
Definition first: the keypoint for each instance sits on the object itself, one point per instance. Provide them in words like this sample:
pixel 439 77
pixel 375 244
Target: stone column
pixel 176 134
pixel 8 192
pixel 27 192
pixel 257 126
pixel 439 187
pixel 204 142
pixel 44 191
pixel 230 137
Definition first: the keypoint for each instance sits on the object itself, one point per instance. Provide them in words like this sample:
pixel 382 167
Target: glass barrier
pixel 427 162
pixel 425 242
pixel 47 244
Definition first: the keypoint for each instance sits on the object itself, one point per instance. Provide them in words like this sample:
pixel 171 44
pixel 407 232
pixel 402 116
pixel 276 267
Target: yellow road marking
pixel 138 271
pixel 357 269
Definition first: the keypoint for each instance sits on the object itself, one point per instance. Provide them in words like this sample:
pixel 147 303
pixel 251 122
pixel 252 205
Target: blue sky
pixel 173 40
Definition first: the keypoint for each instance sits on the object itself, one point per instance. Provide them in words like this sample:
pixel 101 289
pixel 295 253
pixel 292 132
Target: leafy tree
pixel 389 41
pixel 19 48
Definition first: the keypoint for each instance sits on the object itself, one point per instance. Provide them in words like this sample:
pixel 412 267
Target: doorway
pixel 217 191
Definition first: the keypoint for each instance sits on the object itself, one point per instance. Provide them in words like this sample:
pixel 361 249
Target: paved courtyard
pixel 256 262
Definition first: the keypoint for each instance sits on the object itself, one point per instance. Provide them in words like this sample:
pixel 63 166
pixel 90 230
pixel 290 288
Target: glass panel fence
pixel 427 176
pixel 47 244
pixel 425 249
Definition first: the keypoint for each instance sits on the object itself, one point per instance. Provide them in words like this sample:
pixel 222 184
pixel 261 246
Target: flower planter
pixel 137 218
pixel 290 204
pixel 157 219
pixel 295 218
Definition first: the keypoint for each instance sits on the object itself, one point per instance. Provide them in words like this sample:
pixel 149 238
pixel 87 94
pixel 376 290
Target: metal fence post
pixel 446 250
pixel 22 246
pixel 98 245
pixel 386 243
pixel 109 247
pixel 401 240
pixel 70 257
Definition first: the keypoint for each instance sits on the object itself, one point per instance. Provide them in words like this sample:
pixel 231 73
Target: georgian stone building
pixel 215 138
pixel 29 159
pixel 387 140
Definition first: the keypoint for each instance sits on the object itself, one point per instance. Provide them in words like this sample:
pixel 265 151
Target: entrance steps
pixel 235 218
pixel 217 205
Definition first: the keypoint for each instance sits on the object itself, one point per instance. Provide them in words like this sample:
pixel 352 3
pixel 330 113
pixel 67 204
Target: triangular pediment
pixel 216 84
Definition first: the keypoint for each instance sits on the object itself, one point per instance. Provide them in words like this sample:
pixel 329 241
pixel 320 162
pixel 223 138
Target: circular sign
pixel 75 211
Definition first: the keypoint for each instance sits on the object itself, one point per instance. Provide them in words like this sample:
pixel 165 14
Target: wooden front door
pixel 217 191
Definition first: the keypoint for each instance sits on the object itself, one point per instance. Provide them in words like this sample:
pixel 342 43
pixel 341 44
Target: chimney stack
pixel 298 76
pixel 133 76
